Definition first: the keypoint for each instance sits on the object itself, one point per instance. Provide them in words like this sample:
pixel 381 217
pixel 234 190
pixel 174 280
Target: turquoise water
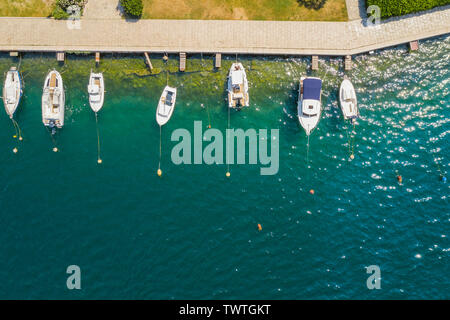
pixel 192 234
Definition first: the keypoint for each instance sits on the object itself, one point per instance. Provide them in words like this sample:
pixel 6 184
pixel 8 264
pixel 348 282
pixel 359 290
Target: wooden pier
pixel 414 45
pixel 182 61
pixel 60 56
pixel 315 63
pixel 148 61
pixel 348 63
pixel 218 61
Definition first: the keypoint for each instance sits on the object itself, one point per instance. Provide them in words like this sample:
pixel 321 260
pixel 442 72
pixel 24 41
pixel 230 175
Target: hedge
pixel 132 7
pixel 391 8
pixel 60 7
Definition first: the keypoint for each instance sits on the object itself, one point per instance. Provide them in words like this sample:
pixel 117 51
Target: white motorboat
pixel 53 101
pixel 166 105
pixel 96 90
pixel 347 98
pixel 309 103
pixel 238 87
pixel 12 91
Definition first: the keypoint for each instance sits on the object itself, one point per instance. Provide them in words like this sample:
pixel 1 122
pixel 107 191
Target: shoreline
pixel 220 36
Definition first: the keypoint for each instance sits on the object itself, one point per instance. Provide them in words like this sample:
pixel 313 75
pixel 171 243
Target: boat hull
pixel 12 91
pixel 241 98
pixel 308 121
pixel 348 100
pixel 53 101
pixel 164 111
pixel 96 90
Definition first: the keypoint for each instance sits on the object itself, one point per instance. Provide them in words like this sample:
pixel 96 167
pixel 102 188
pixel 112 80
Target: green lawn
pixel 25 8
pixel 334 10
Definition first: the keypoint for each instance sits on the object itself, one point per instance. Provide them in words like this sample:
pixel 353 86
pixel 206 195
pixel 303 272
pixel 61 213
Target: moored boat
pixel 309 103
pixel 53 100
pixel 12 91
pixel 348 100
pixel 166 105
pixel 237 87
pixel 96 90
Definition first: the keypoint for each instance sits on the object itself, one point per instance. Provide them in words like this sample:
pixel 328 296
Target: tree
pixel 132 7
pixel 312 4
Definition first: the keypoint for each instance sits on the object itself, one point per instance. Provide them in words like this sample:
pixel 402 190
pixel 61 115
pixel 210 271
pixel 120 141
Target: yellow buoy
pixel 14 136
pixel 99 161
pixel 15 150
pixel 159 172
pixel 55 149
pixel 228 174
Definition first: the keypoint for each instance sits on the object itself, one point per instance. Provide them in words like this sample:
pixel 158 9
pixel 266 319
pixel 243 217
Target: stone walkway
pixel 102 9
pixel 356 9
pixel 209 36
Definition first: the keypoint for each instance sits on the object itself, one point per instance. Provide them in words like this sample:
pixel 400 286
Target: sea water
pixel 193 233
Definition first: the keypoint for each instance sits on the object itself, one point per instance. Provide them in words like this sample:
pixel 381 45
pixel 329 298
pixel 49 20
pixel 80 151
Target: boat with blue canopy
pixel 309 103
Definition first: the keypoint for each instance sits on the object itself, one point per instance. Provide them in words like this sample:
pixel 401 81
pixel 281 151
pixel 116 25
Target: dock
pixel 211 36
pixel 414 45
pixel 348 63
pixel 182 62
pixel 148 61
pixel 218 61
pixel 60 56
pixel 315 63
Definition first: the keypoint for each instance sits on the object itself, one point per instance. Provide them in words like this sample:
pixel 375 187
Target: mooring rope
pixel 228 144
pixel 55 148
pixel 160 151
pixel 99 159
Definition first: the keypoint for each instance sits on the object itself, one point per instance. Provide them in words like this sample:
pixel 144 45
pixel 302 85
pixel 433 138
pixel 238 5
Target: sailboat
pixel 347 98
pixel 53 101
pixel 309 103
pixel 238 87
pixel 96 90
pixel 12 91
pixel 166 105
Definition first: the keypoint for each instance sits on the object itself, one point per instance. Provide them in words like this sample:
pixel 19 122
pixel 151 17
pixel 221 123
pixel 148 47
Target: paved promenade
pixel 210 36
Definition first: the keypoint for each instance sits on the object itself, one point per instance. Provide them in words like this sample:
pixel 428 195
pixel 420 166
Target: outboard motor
pixel 52 126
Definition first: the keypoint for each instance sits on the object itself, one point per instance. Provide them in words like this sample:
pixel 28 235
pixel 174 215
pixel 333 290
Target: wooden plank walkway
pixel 182 61
pixel 227 37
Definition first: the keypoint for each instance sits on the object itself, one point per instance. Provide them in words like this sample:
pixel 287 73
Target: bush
pixel 132 7
pixel 391 8
pixel 60 7
pixel 312 4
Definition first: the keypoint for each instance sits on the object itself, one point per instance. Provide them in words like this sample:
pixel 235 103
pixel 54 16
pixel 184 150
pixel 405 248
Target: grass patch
pixel 290 10
pixel 25 8
pixel 391 8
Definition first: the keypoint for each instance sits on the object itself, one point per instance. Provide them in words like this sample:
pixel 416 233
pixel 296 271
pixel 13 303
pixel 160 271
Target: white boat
pixel 347 98
pixel 309 103
pixel 12 91
pixel 53 101
pixel 166 105
pixel 96 90
pixel 237 87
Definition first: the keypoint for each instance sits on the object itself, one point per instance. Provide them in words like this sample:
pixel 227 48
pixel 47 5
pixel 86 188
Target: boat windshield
pixel 169 98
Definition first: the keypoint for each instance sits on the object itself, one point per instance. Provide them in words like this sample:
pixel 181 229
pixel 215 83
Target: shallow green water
pixel 193 233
